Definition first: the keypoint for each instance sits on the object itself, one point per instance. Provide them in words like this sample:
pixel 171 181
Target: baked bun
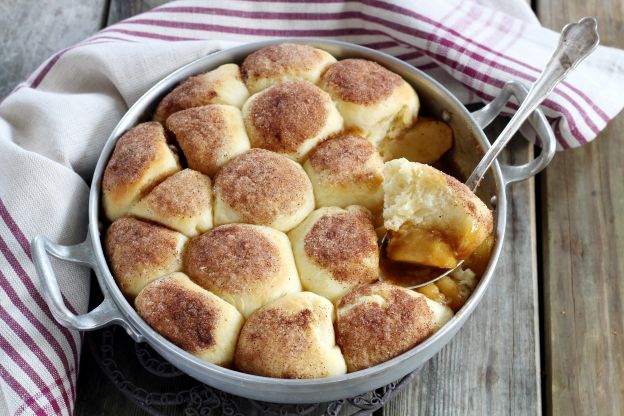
pixel 209 136
pixel 336 250
pixel 192 318
pixel 223 85
pixel 140 160
pixel 346 170
pixel 275 64
pixel 432 218
pixel 139 252
pixel 291 118
pixel 371 99
pixel 182 202
pixel 262 187
pixel 292 337
pixel 247 265
pixel 380 321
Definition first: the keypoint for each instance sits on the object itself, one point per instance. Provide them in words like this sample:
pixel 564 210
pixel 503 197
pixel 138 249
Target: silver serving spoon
pixel 577 41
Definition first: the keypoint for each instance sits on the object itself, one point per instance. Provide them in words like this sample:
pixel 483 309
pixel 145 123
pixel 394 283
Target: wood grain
pixel 583 260
pixel 32 30
pixel 492 366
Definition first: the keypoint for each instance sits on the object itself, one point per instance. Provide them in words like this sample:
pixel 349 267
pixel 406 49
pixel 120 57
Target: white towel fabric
pixel 53 126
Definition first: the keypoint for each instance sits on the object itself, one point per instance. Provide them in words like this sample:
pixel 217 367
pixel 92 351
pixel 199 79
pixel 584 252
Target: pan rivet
pixel 446 116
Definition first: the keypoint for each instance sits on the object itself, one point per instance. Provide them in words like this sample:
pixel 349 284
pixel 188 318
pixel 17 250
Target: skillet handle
pixel 106 313
pixel 484 116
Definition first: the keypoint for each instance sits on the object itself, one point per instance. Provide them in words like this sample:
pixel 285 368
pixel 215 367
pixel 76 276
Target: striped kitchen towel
pixel 53 126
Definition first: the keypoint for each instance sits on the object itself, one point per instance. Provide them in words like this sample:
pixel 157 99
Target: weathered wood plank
pixel 492 366
pixel 32 30
pixel 583 240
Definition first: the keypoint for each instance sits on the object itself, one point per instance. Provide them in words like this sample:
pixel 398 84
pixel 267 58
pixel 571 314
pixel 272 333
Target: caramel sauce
pixel 406 274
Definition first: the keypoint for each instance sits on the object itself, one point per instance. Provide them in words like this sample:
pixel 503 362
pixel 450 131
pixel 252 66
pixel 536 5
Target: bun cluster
pixel 244 219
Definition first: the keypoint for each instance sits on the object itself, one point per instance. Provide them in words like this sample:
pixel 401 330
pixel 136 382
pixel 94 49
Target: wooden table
pixel 549 334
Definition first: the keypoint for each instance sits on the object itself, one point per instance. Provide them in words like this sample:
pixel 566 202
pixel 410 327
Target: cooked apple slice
pixel 424 142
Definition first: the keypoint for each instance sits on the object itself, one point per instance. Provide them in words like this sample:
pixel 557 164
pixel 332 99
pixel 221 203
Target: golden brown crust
pixel 183 194
pixel 133 155
pixel 234 258
pixel 292 337
pixel 286 115
pixel 194 91
pixel 275 60
pixel 342 159
pixel 471 203
pixel 369 333
pixel 202 134
pixel 340 242
pixel 133 245
pixel 360 81
pixel 278 329
pixel 261 185
pixel 185 317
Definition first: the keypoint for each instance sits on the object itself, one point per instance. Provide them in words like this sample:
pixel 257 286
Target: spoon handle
pixel 577 41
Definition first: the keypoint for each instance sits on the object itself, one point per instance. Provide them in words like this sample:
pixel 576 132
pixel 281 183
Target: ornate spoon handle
pixel 577 41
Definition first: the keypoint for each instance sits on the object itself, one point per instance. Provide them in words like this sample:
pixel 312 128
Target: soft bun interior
pixel 433 219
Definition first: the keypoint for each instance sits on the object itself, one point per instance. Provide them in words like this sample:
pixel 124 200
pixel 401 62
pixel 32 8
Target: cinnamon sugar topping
pixel 186 317
pixel 360 81
pixel 371 332
pixel 289 335
pixel 202 134
pixel 133 245
pixel 277 59
pixel 192 92
pixel 344 159
pixel 184 194
pixel 286 115
pixel 262 185
pixel 133 155
pixel 234 258
pixel 341 242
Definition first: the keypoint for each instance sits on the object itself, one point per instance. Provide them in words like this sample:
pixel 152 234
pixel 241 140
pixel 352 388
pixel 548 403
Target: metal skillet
pixel 470 145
